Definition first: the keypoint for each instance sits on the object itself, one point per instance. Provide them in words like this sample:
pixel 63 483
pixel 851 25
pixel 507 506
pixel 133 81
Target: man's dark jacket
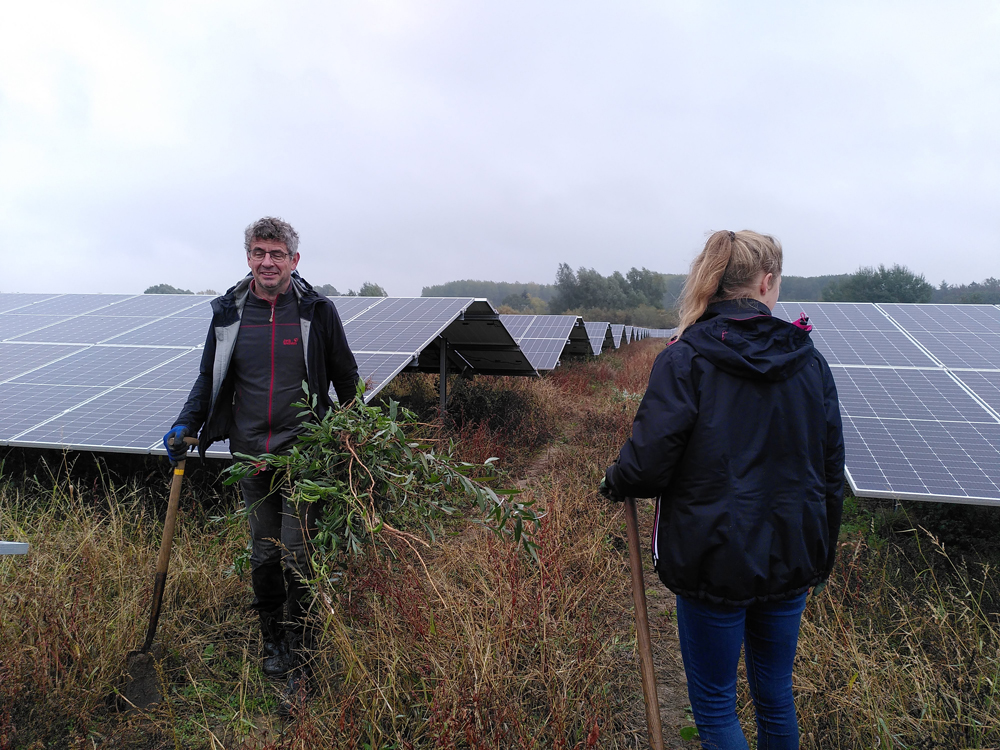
pixel 740 438
pixel 327 354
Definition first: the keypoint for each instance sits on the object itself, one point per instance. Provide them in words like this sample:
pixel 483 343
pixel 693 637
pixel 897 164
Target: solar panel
pixel 889 348
pixel 99 366
pixel 963 350
pixel 154 305
pixel 599 335
pixel 545 338
pixel 85 329
pixel 111 372
pixel 133 418
pixel 836 316
pixel 618 333
pixel 912 433
pixel 985 384
pixel 173 331
pixel 73 304
pixel 919 390
pixel 26 405
pixel 944 318
pixel 9 302
pixel 17 359
pixel 518 324
pixel 14 325
pixel 543 354
pixel 662 333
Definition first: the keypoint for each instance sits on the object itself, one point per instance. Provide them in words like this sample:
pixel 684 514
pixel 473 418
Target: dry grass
pixel 482 648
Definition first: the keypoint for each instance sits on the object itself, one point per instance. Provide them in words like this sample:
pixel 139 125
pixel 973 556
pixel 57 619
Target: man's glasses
pixel 276 255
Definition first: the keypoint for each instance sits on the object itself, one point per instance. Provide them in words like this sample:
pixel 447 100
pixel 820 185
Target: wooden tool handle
pixel 642 628
pixel 166 543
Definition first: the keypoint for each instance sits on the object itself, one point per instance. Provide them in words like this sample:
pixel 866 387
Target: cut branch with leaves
pixel 375 480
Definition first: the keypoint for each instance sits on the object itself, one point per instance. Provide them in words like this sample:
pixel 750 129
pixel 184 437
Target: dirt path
pixel 660 604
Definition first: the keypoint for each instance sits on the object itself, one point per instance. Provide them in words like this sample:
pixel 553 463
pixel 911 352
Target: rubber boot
pixel 299 686
pixel 278 659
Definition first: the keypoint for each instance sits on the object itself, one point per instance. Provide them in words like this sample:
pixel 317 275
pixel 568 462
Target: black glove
pixel 178 451
pixel 609 493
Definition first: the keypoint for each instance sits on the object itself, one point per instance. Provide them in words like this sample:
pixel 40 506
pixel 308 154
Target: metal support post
pixel 444 374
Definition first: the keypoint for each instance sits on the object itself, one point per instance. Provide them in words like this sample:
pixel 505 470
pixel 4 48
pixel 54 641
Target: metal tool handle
pixel 166 543
pixel 642 628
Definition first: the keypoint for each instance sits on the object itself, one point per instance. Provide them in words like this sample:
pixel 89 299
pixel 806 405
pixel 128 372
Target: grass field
pixel 472 644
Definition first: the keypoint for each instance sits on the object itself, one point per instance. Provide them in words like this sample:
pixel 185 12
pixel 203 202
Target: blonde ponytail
pixel 727 269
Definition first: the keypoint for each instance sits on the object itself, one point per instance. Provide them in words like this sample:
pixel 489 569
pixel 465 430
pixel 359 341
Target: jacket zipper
pixel 270 391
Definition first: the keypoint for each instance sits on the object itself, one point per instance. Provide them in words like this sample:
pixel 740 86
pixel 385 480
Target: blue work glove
pixel 609 493
pixel 178 451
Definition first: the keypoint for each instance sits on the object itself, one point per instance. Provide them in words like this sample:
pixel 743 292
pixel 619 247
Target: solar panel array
pixel 111 372
pixel 919 389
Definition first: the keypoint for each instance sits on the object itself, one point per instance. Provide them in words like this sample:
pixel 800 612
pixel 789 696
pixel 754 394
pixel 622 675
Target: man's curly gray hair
pixel 274 229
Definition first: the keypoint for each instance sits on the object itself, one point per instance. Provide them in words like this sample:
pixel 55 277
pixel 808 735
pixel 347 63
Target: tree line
pixel 368 289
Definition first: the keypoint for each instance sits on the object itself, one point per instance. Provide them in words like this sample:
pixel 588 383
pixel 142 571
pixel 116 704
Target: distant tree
pixel 586 288
pixel 208 291
pixel 166 289
pixel 370 289
pixel 327 290
pixel 494 291
pixel 986 292
pixel 868 284
pixel 525 303
pixel 807 288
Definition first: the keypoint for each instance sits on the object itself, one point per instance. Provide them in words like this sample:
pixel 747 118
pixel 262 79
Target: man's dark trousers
pixel 280 533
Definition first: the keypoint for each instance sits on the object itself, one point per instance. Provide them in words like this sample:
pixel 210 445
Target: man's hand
pixel 609 493
pixel 178 450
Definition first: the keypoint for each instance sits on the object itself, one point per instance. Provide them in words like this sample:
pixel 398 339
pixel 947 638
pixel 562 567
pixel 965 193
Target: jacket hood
pixel 741 337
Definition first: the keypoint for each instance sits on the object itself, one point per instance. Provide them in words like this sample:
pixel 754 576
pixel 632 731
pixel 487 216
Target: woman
pixel 740 439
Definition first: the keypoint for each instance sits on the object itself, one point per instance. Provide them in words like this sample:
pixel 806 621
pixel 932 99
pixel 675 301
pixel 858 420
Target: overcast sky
pixel 414 142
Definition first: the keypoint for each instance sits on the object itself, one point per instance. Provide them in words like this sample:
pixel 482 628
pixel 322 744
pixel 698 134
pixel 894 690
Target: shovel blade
pixel 143 687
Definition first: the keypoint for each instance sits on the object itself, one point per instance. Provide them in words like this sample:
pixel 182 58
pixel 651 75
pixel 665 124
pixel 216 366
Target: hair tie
pixel 732 237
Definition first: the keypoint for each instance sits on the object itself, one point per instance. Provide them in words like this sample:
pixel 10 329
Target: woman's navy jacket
pixel 740 439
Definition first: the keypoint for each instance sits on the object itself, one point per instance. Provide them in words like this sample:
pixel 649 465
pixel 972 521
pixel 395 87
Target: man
pixel 269 333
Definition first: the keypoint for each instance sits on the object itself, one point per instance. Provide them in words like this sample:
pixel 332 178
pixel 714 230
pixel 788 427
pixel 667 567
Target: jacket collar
pixel 745 307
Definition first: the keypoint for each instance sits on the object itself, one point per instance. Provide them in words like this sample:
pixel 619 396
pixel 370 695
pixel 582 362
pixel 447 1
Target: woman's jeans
pixel 711 636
